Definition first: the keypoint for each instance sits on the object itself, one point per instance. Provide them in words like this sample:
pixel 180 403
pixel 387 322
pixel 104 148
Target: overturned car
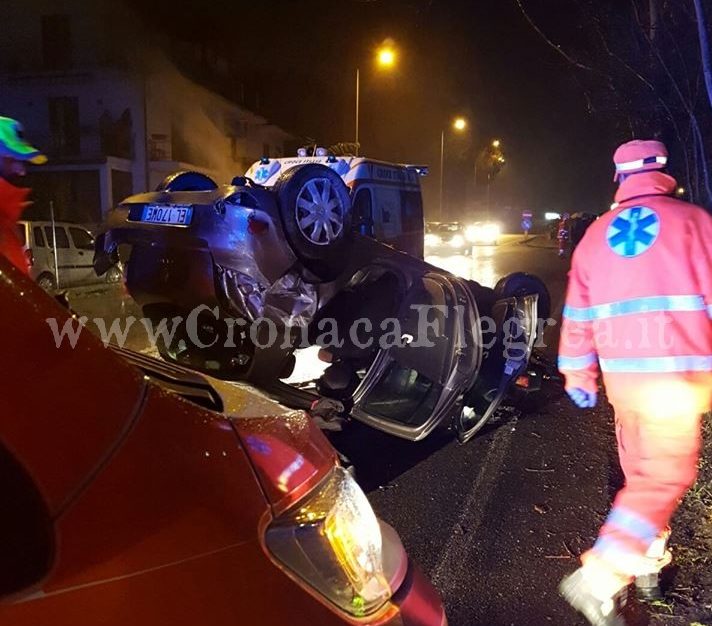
pixel 253 272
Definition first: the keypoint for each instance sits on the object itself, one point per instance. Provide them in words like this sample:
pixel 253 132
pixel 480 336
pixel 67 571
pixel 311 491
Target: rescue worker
pixel 15 152
pixel 639 304
pixel 563 234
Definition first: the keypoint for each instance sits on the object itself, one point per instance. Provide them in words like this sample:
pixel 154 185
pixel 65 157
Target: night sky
pixel 477 58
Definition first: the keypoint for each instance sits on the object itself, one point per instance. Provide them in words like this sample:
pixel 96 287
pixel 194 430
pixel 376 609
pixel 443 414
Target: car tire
pixel 47 282
pixel 187 181
pixel 113 275
pixel 523 284
pixel 315 208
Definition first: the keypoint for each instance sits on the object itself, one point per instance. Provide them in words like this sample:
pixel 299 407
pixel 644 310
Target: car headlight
pixel 472 233
pixel 432 240
pixel 457 241
pixel 332 541
pixel 492 232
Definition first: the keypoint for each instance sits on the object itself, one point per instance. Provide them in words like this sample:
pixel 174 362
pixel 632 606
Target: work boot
pixel 578 592
pixel 648 585
pixel 647 588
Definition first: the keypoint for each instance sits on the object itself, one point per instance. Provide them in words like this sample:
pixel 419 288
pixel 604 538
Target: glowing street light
pixel 496 143
pixel 459 124
pixel 385 59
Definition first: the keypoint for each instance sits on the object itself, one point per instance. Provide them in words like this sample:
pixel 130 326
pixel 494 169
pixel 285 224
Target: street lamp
pixel 459 124
pixel 385 60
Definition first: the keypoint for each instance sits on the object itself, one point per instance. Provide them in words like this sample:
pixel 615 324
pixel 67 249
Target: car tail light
pixel 332 541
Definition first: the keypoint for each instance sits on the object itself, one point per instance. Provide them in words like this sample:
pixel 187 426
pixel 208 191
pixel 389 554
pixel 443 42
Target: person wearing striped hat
pixel 638 309
pixel 15 153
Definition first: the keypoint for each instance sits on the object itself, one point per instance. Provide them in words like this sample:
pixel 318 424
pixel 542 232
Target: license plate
pixel 167 214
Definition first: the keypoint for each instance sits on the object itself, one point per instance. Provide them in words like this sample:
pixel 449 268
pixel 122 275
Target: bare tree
pixel 643 71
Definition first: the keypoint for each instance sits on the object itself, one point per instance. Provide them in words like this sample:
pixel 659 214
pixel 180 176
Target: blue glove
pixel 583 399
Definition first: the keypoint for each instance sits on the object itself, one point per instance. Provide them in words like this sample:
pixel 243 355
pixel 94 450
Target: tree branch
pixel 553 45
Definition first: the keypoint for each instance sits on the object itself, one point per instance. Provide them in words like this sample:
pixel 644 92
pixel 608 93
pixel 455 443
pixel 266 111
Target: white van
pixel 387 199
pixel 75 255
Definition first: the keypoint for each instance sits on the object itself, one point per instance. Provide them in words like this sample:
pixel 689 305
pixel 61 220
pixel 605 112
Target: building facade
pixel 113 115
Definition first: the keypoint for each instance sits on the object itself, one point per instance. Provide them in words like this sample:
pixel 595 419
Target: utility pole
pixel 358 106
pixel 442 174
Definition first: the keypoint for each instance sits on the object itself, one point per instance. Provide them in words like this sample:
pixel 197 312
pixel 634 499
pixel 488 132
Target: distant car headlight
pixel 491 232
pixel 332 541
pixel 473 233
pixel 433 240
pixel 485 233
pixel 458 241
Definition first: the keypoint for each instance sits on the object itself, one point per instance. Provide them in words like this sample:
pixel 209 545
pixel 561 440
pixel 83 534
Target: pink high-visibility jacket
pixel 639 301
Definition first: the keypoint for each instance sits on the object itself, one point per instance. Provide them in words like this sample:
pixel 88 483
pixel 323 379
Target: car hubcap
pixel 320 212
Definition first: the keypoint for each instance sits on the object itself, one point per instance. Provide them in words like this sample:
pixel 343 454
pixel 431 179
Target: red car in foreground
pixel 137 493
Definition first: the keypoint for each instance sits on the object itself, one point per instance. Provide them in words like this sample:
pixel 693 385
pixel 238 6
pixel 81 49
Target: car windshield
pixel 448 228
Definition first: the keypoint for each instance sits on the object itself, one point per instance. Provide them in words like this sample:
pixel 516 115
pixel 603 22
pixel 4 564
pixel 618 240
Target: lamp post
pixel 385 60
pixel 459 124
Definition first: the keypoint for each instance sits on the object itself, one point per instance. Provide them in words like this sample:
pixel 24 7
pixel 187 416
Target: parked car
pixel 237 255
pixel 138 492
pixel 75 255
pixel 446 238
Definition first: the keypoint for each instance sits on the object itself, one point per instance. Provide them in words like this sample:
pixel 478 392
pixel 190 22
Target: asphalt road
pixel 495 523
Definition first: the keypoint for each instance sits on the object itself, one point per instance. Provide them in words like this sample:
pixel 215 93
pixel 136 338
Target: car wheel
pixel 187 181
pixel 523 284
pixel 47 282
pixel 113 275
pixel 315 208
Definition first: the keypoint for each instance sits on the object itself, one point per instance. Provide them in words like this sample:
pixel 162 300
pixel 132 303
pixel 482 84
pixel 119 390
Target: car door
pixel 82 251
pixel 414 386
pixel 507 337
pixel 58 241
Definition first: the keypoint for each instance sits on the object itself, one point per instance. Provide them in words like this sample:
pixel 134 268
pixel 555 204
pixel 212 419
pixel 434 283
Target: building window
pixel 121 186
pixel 64 126
pixel 56 42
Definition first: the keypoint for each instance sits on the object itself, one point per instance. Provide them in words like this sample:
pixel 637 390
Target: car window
pixel 39 237
pixel 387 212
pixel 22 234
pixel 61 234
pixel 412 211
pixel 403 395
pixel 363 212
pixel 82 239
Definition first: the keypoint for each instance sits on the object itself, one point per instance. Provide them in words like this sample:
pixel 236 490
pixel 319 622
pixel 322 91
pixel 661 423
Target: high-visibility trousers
pixel 659 455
